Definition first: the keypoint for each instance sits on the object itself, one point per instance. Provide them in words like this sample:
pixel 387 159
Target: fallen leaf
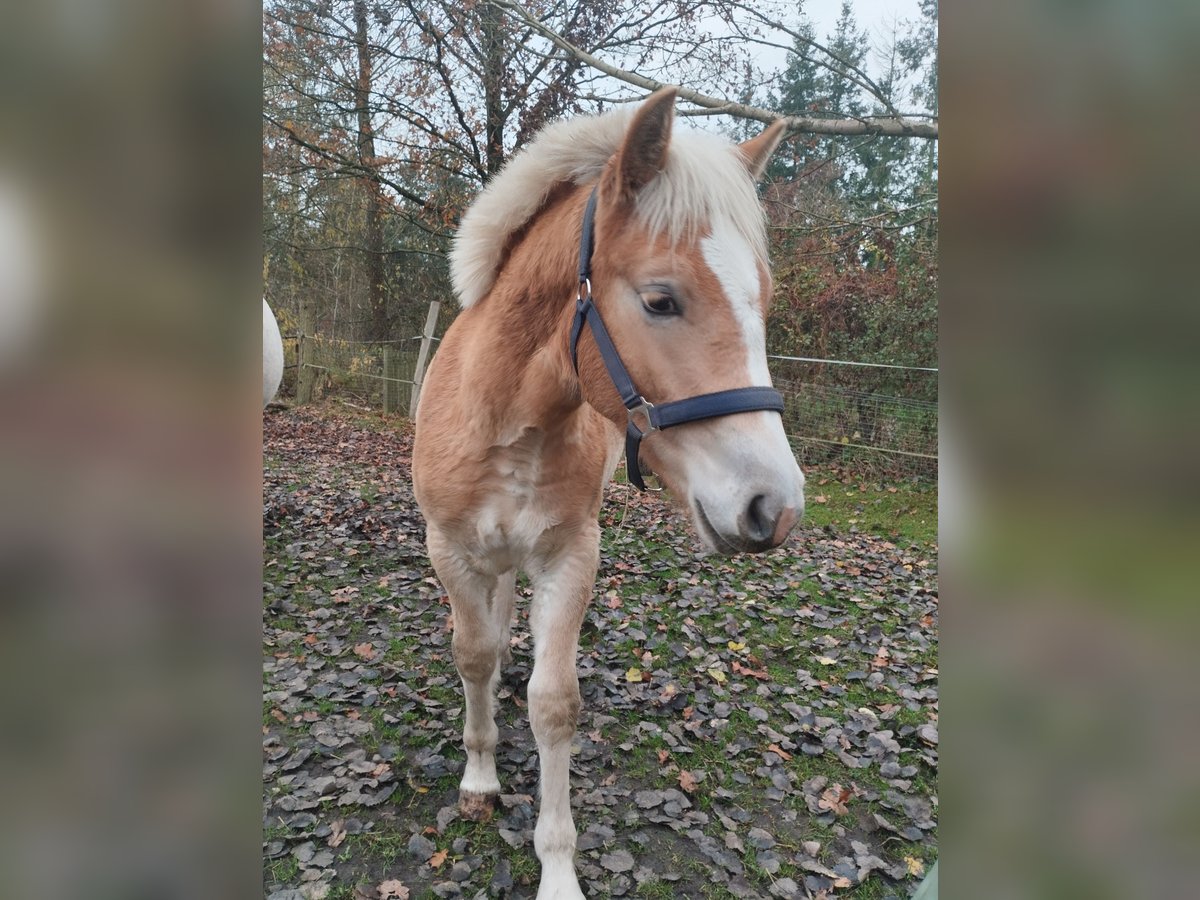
pixel 634 675
pixel 916 868
pixel 438 858
pixel 392 890
pixel 760 674
pixel 617 861
pixel 337 833
pixel 834 799
pixel 782 754
pixel 687 781
pixel 364 651
pixel 717 675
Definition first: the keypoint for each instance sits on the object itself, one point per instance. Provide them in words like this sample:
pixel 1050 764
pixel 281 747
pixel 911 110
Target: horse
pixel 525 405
pixel 272 355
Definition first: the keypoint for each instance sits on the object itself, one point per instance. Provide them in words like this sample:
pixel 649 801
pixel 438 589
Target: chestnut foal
pixel 614 284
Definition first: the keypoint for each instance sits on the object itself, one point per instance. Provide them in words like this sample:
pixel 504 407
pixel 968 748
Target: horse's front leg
pixel 476 643
pixel 561 591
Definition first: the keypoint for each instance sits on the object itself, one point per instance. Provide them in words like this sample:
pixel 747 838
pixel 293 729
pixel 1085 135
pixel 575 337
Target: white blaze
pixel 732 260
pixel 747 455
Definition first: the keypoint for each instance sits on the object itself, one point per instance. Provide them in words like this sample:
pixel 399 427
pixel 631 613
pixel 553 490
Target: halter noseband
pixel 663 415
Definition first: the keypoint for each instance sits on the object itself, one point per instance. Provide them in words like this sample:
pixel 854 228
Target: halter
pixel 663 415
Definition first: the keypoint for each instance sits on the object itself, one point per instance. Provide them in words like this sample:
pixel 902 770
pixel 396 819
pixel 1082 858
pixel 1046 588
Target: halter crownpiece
pixel 645 417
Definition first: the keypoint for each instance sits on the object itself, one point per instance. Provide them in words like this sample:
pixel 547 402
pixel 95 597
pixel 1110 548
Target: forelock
pixel 704 180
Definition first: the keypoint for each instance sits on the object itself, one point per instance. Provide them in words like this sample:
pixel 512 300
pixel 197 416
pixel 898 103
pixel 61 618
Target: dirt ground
pixel 752 727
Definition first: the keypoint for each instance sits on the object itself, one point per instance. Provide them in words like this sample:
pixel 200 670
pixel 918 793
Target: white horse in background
pixel 272 355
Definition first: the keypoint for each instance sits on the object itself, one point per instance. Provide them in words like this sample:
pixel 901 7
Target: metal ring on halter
pixel 646 408
pixel 587 282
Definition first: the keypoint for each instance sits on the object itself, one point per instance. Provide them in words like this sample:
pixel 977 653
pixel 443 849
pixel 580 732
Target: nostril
pixel 760 523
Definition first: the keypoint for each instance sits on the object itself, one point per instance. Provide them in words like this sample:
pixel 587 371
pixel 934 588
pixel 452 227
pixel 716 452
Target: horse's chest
pixel 522 508
pixel 509 532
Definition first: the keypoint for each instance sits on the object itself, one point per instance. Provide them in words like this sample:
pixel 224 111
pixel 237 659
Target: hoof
pixel 476 807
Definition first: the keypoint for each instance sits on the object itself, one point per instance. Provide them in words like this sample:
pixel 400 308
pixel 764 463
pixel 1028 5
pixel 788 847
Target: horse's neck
pixel 528 319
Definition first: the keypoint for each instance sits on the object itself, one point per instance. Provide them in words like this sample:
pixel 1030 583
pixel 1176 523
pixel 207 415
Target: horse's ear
pixel 644 152
pixel 756 151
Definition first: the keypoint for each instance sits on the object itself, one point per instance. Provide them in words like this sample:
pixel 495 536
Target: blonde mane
pixel 704 179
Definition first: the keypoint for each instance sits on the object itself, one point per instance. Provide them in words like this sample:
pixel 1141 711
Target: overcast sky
pixel 876 17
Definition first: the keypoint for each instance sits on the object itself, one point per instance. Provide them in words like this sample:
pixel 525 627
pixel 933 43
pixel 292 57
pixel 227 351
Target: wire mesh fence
pixel 864 415
pixel 330 357
pixel 373 373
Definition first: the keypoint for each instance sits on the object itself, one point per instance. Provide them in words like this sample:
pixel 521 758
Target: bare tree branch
pixel 347 164
pixel 850 72
pixel 897 126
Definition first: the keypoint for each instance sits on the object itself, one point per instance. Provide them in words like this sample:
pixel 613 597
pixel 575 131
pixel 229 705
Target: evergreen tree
pixel 919 53
pixel 879 176
pixel 799 95
pixel 848 50
pixel 842 96
pixel 816 83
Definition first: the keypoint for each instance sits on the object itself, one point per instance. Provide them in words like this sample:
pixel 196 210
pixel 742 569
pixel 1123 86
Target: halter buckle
pixel 645 408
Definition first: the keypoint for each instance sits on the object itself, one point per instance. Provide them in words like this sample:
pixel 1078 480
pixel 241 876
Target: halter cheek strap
pixel 645 417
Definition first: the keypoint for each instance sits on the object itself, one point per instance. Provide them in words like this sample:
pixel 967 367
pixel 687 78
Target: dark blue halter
pixel 664 415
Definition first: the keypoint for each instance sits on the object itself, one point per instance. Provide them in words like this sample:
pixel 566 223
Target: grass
pixel 904 509
pixel 903 512
pixel 656 890
pixel 283 869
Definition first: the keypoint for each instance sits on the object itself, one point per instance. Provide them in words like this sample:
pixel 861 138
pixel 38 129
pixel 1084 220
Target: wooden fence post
pixel 435 307
pixel 391 384
pixel 305 354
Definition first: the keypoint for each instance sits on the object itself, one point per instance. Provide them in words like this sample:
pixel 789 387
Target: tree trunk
pixel 492 35
pixel 372 195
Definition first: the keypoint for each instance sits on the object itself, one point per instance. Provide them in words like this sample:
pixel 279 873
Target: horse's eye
pixel 660 304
